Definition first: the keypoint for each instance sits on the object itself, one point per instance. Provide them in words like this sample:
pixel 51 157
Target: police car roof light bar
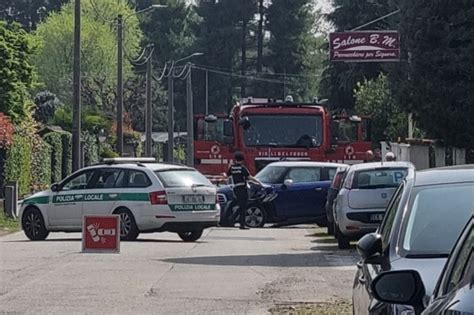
pixel 129 160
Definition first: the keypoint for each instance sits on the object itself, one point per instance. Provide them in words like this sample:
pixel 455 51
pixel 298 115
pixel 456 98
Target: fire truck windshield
pixel 299 131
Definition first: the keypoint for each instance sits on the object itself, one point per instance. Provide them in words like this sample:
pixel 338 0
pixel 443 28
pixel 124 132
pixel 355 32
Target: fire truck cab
pixel 268 130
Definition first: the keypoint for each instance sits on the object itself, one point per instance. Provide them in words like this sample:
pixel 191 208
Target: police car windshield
pixel 299 131
pixel 182 178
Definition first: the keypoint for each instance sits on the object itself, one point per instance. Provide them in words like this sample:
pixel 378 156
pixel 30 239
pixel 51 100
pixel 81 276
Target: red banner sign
pixel 101 234
pixel 369 46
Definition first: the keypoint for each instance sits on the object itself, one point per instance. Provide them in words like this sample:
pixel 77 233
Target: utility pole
pixel 189 119
pixel 170 157
pixel 120 85
pixel 149 109
pixel 207 93
pixel 260 37
pixel 244 59
pixel 76 121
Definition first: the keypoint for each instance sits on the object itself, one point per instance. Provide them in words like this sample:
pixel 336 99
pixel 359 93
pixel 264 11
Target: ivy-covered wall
pixel 18 163
pixel 55 141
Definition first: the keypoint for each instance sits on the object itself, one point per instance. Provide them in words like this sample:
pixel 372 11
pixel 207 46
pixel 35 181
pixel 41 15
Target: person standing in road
pixel 369 156
pixel 390 157
pixel 240 176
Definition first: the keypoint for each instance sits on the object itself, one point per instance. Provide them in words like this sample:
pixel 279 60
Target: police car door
pixel 65 209
pixel 104 191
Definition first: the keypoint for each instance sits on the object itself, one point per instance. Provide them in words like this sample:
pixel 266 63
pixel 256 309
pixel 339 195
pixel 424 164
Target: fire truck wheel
pixel 255 217
pixel 33 224
pixel 191 236
pixel 128 227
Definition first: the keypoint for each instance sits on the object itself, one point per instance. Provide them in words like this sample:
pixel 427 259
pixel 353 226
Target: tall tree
pixel 28 12
pixel 291 25
pixel 219 38
pixel 171 29
pixel 439 37
pixel 98 50
pixel 16 70
pixel 340 79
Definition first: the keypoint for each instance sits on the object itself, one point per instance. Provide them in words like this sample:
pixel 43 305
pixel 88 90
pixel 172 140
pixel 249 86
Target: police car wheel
pixel 191 236
pixel 128 227
pixel 255 217
pixel 33 225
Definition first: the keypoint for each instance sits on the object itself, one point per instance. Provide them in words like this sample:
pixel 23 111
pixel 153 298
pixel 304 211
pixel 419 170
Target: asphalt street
pixel 228 271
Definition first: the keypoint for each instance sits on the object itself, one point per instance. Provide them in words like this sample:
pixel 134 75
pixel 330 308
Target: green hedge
pixel 18 164
pixel 91 149
pixel 41 166
pixel 56 143
pixel 67 154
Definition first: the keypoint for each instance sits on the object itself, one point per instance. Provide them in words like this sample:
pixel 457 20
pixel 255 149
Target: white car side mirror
pixel 288 182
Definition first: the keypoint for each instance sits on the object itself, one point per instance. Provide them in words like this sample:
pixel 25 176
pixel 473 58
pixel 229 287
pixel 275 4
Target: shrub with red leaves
pixel 6 131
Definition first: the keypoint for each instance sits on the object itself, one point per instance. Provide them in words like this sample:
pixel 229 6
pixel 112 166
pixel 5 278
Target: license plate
pixel 193 199
pixel 376 217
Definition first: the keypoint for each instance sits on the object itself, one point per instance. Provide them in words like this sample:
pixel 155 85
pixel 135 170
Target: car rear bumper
pixel 356 223
pixel 177 227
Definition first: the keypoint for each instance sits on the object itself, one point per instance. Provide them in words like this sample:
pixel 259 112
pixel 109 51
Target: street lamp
pixel 170 157
pixel 120 21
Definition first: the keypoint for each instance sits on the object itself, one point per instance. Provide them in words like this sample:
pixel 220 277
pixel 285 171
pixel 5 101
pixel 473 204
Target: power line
pixel 253 78
pixel 262 73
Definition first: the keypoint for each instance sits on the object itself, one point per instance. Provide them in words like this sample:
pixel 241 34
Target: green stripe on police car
pixel 92 197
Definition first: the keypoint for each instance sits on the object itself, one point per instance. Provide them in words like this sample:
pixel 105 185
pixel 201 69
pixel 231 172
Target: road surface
pixel 228 271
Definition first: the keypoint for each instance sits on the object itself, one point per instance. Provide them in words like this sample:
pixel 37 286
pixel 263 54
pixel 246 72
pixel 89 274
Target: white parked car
pixel 360 205
pixel 148 196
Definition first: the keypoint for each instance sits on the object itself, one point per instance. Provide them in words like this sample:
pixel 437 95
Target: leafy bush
pixel 41 165
pixel 18 164
pixel 94 120
pixel 46 105
pixel 107 152
pixel 56 143
pixel 67 154
pixel 6 131
pixel 91 148
pixel 63 118
pixel 6 136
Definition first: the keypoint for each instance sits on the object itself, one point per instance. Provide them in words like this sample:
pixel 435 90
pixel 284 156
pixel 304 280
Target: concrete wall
pixel 419 155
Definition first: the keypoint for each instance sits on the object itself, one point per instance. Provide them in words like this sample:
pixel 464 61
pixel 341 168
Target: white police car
pixel 148 196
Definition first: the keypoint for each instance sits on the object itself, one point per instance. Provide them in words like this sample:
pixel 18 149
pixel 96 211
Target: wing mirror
pixel 55 187
pixel 244 122
pixel 288 182
pixel 369 248
pixel 400 287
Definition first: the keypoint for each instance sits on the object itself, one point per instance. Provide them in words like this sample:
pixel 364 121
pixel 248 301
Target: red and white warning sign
pixel 101 234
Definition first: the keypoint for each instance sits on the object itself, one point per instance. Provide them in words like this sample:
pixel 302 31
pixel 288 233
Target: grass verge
pixel 7 224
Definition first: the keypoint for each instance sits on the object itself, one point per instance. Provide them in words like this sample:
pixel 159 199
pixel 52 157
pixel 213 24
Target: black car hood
pixel 428 268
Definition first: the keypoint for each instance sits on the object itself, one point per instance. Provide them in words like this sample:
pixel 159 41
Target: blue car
pixel 301 189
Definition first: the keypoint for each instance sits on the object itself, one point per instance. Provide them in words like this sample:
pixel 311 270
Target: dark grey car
pixel 333 190
pixel 422 222
pixel 454 293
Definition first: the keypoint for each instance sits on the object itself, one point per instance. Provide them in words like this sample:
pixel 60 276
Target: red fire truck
pixel 268 130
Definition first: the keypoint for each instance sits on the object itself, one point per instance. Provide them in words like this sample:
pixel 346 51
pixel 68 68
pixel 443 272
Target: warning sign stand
pixel 101 234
